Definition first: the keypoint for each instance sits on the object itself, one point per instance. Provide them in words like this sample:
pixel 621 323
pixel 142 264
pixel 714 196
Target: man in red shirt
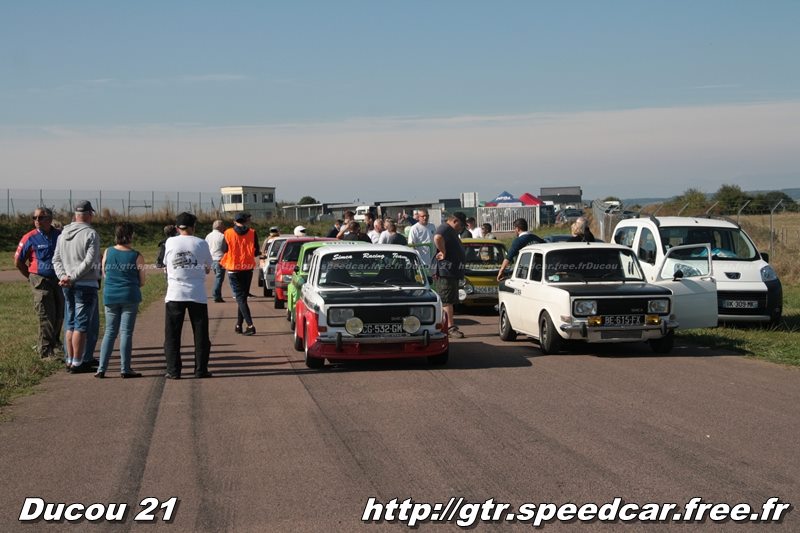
pixel 34 260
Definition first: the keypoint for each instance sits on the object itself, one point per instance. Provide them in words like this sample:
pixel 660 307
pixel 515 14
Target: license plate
pixel 623 320
pixel 491 289
pixel 383 329
pixel 740 304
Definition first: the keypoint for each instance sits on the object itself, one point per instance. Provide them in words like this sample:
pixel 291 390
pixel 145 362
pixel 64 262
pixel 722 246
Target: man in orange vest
pixel 241 251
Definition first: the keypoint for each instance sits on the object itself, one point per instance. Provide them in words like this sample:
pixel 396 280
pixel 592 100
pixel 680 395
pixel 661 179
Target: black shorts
pixel 447 289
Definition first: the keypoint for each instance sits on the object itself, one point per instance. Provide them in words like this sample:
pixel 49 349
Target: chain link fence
pixel 127 203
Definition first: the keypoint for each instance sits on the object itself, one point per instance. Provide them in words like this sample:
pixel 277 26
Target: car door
pixel 686 271
pixel 516 304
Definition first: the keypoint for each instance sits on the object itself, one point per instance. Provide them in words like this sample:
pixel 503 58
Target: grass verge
pixel 21 368
pixel 778 344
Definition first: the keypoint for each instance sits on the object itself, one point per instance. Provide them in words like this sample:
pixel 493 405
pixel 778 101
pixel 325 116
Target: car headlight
pixel 658 307
pixel 411 324
pixel 425 313
pixel 584 307
pixel 468 288
pixel 354 326
pixel 337 316
pixel 768 274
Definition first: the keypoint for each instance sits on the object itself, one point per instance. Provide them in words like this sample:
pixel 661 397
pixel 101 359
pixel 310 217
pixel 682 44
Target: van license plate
pixel 740 304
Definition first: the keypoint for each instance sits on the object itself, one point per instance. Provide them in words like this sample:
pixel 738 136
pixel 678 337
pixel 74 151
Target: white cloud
pixel 626 153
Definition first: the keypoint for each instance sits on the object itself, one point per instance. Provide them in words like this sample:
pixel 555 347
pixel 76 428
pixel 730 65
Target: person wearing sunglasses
pixel 34 260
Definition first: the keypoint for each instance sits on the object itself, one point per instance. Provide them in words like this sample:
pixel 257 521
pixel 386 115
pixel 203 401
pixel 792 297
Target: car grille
pixel 391 314
pixel 760 297
pixel 621 334
pixel 622 306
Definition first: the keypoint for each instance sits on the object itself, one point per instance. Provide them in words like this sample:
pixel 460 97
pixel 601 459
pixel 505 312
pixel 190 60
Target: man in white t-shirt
pixel 188 261
pixel 215 240
pixel 422 234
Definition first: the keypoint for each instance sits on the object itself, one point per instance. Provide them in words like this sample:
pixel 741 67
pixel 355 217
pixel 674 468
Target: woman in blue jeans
pixel 123 269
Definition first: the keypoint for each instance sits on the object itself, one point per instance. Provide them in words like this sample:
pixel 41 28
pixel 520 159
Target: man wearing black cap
pixel 76 261
pixel 241 251
pixel 188 261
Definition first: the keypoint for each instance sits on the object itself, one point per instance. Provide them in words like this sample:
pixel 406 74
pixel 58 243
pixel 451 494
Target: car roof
pixel 551 246
pixel 364 248
pixel 483 241
pixel 669 222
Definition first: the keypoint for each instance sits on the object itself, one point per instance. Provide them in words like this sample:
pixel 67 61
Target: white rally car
pixel 368 301
pixel 596 292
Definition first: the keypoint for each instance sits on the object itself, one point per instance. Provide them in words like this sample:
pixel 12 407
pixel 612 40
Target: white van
pixel 748 289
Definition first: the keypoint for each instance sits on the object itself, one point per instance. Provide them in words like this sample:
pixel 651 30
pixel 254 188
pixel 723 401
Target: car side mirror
pixel 678 275
pixel 765 256
pixel 296 268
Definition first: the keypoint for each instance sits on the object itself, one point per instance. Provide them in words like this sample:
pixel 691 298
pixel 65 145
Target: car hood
pixel 340 297
pixel 614 289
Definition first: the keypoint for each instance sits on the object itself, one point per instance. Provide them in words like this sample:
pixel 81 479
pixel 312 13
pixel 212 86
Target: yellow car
pixel 483 260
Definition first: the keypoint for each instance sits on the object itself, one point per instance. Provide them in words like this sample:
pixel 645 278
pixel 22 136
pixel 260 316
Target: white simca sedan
pixel 596 292
pixel 368 301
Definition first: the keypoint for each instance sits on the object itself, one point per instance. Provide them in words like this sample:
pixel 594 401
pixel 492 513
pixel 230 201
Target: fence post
pixel 178 203
pixel 8 202
pixel 772 228
pixel 100 201
pixel 739 212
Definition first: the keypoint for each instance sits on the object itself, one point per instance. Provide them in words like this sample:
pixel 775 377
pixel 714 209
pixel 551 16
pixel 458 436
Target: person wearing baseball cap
pixel 241 252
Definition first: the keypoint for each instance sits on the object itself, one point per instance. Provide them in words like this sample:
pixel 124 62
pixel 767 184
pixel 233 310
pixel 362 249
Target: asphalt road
pixel 267 445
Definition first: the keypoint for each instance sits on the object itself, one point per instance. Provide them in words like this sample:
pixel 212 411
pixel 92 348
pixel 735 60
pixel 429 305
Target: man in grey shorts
pixel 448 266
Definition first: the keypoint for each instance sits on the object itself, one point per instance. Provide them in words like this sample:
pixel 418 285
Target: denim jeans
pixel 92 333
pixel 120 320
pixel 219 277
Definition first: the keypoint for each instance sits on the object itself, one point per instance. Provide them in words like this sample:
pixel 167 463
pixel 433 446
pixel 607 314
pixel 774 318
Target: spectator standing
pixel 375 233
pixel 337 226
pixel 76 261
pixel 421 236
pixel 188 260
pixel 349 216
pixel 474 229
pixel 523 238
pixel 241 251
pixel 354 233
pixel 581 231
pixel 448 268
pixel 34 260
pixel 169 231
pixel 390 236
pixel 486 229
pixel 216 241
pixel 123 268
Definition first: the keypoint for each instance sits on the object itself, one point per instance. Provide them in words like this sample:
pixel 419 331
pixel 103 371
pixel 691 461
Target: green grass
pixel 21 368
pixel 777 344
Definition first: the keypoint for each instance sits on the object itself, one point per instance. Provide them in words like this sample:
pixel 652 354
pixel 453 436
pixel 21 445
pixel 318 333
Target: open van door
pixel 686 271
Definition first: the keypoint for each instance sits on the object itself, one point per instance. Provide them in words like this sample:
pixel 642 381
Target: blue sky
pixel 407 99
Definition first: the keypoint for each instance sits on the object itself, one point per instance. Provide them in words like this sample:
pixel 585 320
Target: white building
pixel 258 201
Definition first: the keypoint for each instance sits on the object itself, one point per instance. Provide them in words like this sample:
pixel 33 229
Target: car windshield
pixel 305 262
pixel 291 251
pixel 591 264
pixel 371 269
pixel 275 248
pixel 483 257
pixel 726 243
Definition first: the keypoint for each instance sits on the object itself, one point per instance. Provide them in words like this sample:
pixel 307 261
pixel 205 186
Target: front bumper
pixel 339 346
pixel 582 332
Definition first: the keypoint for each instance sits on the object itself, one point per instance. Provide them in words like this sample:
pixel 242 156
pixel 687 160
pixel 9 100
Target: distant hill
pixel 794 193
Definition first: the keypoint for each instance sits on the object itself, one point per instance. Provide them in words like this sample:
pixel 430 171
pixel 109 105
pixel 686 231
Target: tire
pixel 279 304
pixel 439 359
pixel 298 342
pixel 292 323
pixel 507 333
pixel 664 344
pixel 549 339
pixel 311 362
pixel 288 314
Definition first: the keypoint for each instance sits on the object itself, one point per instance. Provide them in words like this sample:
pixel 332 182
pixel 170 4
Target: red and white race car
pixel 368 301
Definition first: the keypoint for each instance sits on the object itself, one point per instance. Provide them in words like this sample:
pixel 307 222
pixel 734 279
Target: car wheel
pixel 549 339
pixel 664 344
pixel 292 323
pixel 439 359
pixel 298 342
pixel 279 304
pixel 775 318
pixel 311 362
pixel 507 333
